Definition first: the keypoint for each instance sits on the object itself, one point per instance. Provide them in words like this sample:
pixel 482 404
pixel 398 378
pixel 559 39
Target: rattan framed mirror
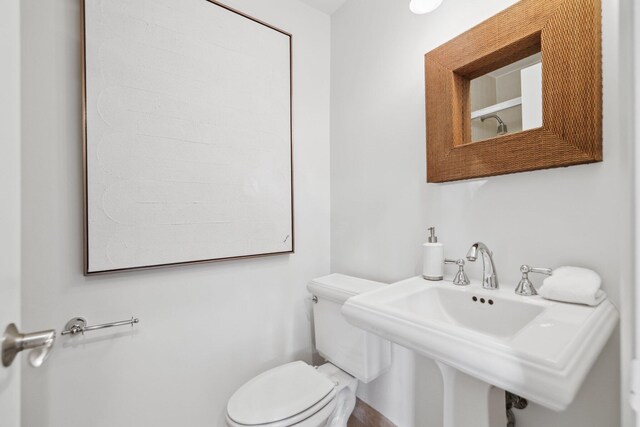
pixel 567 33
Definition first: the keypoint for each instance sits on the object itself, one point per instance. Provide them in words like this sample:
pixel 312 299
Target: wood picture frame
pixel 250 193
pixel 568 35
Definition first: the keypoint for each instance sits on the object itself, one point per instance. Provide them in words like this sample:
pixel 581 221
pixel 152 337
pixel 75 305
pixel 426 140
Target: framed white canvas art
pixel 187 134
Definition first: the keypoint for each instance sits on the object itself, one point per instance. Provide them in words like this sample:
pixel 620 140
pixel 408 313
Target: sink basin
pixel 539 349
pixel 481 312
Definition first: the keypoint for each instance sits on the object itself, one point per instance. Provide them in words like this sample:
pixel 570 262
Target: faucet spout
pixel 489 273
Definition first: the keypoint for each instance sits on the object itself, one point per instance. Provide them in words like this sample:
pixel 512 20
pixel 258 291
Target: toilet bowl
pixel 305 396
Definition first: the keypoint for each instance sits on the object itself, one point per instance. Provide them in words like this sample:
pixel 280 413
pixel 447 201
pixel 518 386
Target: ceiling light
pixel 424 6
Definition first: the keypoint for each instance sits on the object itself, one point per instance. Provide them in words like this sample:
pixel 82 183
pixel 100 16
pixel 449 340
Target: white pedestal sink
pixel 471 402
pixel 487 341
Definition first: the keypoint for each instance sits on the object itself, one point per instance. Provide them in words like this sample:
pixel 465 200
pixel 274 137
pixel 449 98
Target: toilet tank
pixel 363 355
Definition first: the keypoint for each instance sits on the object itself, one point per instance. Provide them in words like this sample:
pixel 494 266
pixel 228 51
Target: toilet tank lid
pixel 339 287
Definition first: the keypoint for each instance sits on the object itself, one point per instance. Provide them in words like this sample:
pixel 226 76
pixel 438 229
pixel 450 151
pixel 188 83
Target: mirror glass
pixel 507 100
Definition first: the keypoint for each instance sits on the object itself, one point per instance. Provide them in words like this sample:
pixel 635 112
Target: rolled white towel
pixel 573 284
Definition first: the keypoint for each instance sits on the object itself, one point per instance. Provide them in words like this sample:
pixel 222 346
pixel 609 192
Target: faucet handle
pixel 460 278
pixel 525 287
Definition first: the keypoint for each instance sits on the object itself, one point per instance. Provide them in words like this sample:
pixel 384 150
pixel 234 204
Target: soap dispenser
pixel 433 258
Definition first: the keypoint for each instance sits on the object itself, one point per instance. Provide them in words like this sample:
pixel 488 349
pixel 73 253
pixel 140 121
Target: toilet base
pixel 346 394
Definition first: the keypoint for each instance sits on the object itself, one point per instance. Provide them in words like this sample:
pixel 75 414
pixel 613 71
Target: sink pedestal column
pixel 471 402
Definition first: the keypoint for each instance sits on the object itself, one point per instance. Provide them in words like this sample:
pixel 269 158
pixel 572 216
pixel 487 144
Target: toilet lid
pixel 278 394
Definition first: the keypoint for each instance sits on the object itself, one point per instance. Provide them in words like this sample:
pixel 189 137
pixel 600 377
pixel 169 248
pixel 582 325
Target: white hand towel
pixel 573 284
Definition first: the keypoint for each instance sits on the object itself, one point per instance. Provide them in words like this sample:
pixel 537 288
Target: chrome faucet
pixel 489 274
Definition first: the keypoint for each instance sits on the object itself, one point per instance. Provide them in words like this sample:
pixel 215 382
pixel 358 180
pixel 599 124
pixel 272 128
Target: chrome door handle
pixel 13 342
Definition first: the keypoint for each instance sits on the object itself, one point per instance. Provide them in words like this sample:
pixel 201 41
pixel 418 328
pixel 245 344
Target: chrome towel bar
pixel 78 325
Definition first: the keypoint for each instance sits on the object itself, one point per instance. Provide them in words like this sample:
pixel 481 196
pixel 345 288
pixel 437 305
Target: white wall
pixel 636 135
pixel 204 329
pixel 381 205
pixel 10 199
pixel 627 116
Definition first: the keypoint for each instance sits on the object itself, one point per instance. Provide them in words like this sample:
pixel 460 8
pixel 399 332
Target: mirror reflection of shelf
pixel 492 109
pixel 512 95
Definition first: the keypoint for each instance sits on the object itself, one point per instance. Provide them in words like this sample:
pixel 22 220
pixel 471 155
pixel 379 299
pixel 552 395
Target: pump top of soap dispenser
pixel 432 235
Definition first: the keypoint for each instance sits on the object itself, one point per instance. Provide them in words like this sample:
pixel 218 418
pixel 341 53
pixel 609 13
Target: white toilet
pixel 301 395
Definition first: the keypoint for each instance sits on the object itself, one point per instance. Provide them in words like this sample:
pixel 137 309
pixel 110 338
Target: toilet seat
pixel 281 397
pixel 314 417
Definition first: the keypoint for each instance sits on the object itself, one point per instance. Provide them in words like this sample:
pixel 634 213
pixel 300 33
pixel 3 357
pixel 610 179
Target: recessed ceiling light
pixel 424 6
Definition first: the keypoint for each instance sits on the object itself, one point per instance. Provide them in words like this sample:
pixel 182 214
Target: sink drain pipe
pixel 513 401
